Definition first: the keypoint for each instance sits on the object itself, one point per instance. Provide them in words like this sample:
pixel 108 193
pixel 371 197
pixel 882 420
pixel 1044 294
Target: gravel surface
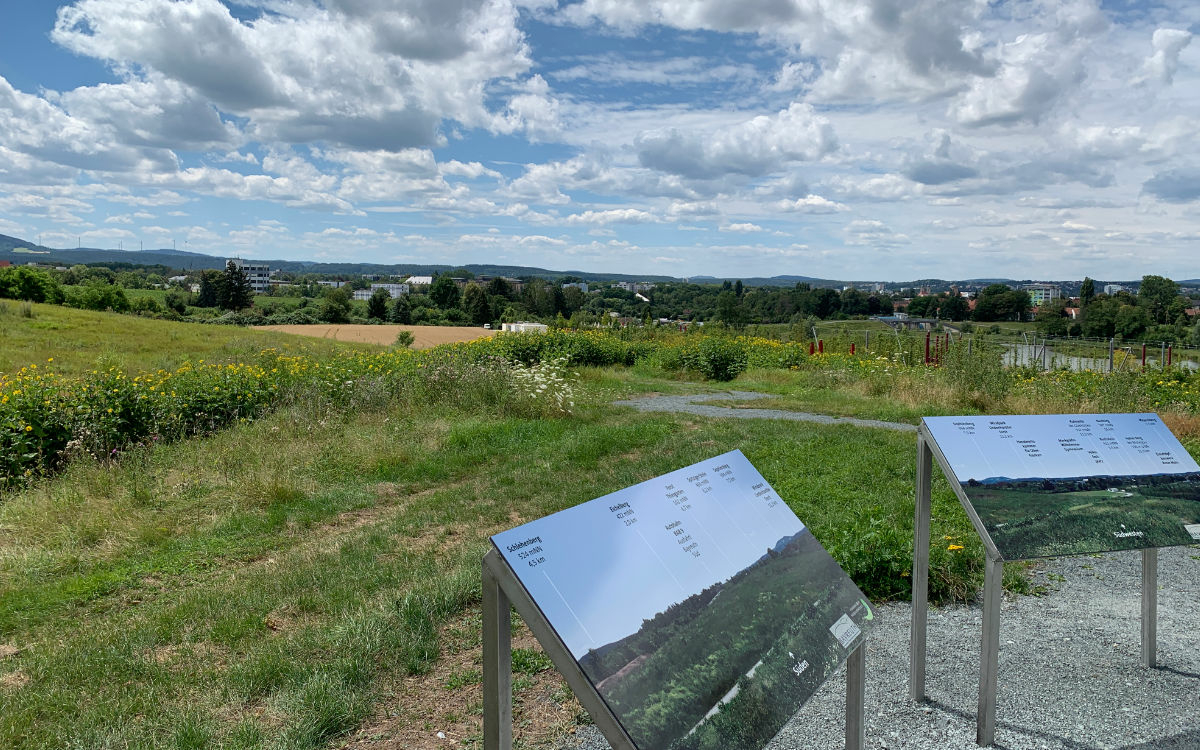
pixel 1070 673
pixel 688 404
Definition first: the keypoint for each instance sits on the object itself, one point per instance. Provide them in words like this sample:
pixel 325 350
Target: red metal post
pixel 812 348
pixel 820 346
pixel 1143 356
pixel 852 350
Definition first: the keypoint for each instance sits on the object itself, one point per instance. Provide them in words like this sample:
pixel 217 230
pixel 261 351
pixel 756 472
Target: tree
pixel 855 302
pixel 954 308
pixel 822 303
pixel 1052 318
pixel 1087 292
pixel 499 287
pixel 1156 295
pixel 1100 317
pixel 210 285
pixel 377 305
pixel 335 307
pixel 444 292
pixel 235 292
pixel 730 310
pixel 923 307
pixel 402 311
pixel 998 302
pixel 1131 321
pixel 176 301
pixel 475 304
pixel 20 282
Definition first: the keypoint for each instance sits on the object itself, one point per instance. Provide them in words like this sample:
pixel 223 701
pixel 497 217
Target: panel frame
pixel 985 717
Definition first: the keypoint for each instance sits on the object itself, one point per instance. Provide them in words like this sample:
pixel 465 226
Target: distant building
pixel 420 280
pixel 334 284
pixel 395 290
pixel 635 286
pixel 1041 294
pixel 525 327
pixel 580 285
pixel 259 274
pixel 1111 289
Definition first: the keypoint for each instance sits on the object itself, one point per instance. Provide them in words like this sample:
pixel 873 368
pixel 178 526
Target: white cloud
pixel 741 227
pixel 1167 44
pixel 612 216
pixel 755 147
pixel 811 204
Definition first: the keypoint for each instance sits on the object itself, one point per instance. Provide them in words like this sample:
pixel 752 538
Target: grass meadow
pixel 310 576
pixel 82 340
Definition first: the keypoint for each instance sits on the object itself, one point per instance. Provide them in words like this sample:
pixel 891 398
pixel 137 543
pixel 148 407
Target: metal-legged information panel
pixel 502 592
pixel 1000 462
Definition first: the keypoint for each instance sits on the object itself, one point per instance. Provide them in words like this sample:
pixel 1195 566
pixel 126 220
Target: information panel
pixel 698 605
pixel 1065 484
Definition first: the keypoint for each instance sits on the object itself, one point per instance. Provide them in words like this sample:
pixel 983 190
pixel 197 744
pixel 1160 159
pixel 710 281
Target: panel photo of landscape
pixel 701 609
pixel 1050 485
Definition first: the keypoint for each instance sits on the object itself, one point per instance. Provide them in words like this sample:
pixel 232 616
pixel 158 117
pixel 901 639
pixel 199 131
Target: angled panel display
pixel 1065 484
pixel 701 609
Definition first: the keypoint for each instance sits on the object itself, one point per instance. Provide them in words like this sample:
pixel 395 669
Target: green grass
pixel 258 588
pixel 266 586
pixel 82 340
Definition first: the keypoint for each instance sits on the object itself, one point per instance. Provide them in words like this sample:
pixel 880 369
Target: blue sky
pixel 993 451
pixel 853 139
pixel 601 577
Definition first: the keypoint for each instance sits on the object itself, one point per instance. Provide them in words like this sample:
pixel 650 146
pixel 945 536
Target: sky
pixel 599 578
pixel 884 140
pixel 1026 446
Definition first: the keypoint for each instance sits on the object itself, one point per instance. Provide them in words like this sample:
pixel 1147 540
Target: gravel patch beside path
pixel 1070 674
pixel 688 404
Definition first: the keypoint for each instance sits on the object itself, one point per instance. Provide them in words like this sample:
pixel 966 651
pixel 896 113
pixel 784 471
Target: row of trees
pixel 1157 312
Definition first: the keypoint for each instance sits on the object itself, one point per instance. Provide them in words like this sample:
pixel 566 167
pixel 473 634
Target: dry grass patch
pixel 444 707
pixel 424 337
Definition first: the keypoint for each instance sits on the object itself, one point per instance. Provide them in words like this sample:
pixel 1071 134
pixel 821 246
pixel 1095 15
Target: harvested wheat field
pixel 423 336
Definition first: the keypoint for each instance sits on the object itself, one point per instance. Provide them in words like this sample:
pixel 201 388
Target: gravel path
pixel 1070 674
pixel 688 404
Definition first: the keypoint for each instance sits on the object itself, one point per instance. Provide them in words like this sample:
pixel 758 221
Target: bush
pixel 97 295
pixel 29 284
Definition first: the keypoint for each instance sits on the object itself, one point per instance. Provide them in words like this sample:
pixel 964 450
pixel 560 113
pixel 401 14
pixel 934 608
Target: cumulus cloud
pixel 1167 44
pixel 741 227
pixel 811 204
pixel 755 147
pixel 613 216
pixel 358 73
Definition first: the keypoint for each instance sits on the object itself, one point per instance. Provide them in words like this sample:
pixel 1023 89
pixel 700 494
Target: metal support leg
pixel 989 653
pixel 856 698
pixel 920 572
pixel 1150 607
pixel 497 665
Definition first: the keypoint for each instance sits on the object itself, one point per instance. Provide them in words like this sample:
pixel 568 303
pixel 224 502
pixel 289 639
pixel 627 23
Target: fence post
pixel 820 346
pixel 1143 356
pixel 1170 354
pixel 927 347
pixel 851 349
pixel 1162 358
pixel 1111 344
pixel 812 348
pixel 867 342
